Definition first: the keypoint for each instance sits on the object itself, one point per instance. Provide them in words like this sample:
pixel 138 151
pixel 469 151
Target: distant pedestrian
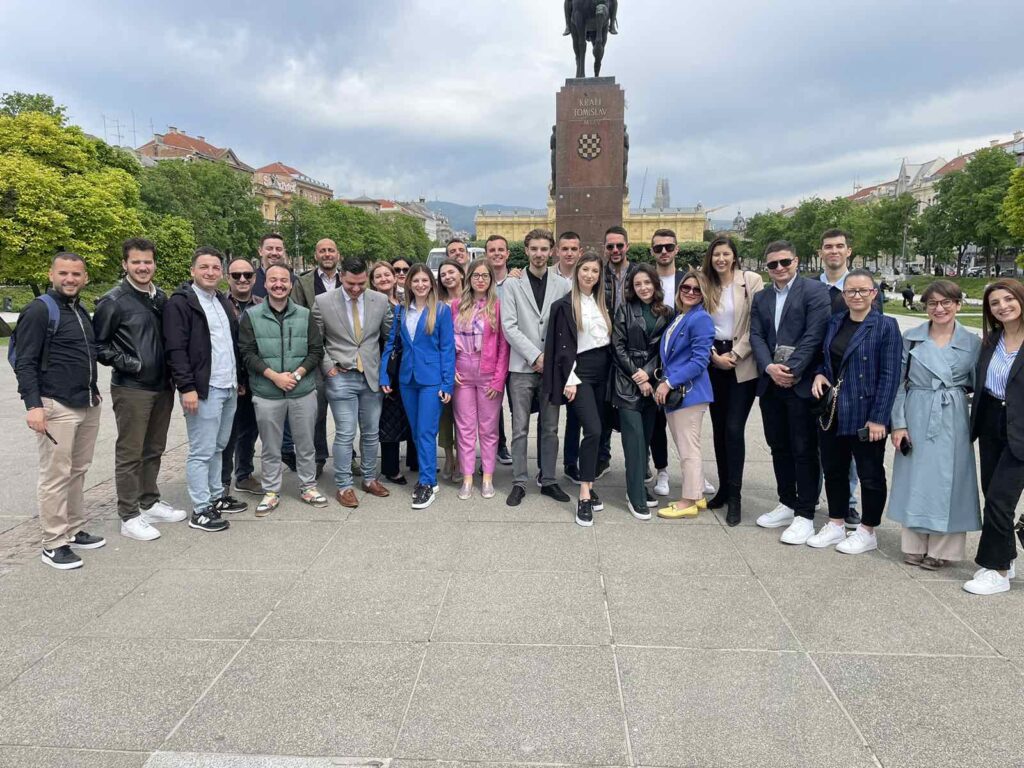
pixel 908 296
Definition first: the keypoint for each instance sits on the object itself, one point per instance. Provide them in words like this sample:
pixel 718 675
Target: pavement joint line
pixel 844 710
pixel 955 615
pixel 615 658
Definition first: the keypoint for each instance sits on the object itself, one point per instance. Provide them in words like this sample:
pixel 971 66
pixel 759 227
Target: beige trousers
pixel 685 425
pixel 941 546
pixel 62 468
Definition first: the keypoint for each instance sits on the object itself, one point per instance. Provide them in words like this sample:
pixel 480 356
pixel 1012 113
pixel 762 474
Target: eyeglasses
pixel 663 247
pixel 480 276
pixel 783 263
pixel 691 290
pixel 615 246
pixel 401 270
pixel 241 275
pixel 856 293
pixel 944 303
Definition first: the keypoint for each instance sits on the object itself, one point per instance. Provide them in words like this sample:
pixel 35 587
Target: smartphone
pixel 906 446
pixel 864 434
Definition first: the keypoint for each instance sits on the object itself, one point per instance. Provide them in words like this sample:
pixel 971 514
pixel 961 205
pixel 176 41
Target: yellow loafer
pixel 702 503
pixel 672 512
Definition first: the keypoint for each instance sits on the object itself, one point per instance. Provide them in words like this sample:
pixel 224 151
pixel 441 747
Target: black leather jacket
pixel 129 337
pixel 634 348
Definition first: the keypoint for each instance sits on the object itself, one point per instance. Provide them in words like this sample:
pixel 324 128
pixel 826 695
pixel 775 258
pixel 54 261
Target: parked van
pixel 438 255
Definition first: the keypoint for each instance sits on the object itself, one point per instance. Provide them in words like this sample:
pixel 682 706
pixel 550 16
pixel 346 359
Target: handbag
pixel 825 408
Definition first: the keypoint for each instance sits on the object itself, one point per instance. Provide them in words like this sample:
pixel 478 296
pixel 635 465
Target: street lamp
pixel 295 228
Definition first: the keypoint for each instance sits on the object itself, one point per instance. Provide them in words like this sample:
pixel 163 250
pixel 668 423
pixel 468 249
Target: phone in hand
pixel 906 446
pixel 864 434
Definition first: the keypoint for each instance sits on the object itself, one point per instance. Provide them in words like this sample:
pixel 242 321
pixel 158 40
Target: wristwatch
pixel 298 376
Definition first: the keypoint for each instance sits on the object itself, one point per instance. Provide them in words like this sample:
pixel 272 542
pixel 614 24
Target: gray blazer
pixel 525 324
pixel 333 316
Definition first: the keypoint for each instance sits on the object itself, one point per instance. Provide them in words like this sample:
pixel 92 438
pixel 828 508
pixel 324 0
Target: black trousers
pixel 837 451
pixel 589 406
pixel 238 453
pixel 1002 482
pixel 729 412
pixel 659 441
pixel 390 463
pixel 636 428
pixel 792 434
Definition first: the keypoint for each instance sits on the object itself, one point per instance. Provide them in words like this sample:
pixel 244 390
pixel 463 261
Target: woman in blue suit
pixel 685 388
pixel 427 372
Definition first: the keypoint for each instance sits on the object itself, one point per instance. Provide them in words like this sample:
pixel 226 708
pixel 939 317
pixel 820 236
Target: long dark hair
pixel 988 320
pixel 714 284
pixel 658 300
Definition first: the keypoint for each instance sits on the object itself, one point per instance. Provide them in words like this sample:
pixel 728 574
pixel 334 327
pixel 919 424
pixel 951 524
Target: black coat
pixel 1014 396
pixel 394 424
pixel 130 337
pixel 559 350
pixel 634 348
pixel 187 341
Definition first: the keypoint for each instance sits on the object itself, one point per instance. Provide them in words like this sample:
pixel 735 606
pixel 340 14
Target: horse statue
pixel 589 21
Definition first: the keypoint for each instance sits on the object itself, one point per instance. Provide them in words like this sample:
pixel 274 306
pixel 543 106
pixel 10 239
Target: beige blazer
pixel 744 286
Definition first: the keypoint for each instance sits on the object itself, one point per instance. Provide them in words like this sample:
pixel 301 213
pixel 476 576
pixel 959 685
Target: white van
pixel 438 255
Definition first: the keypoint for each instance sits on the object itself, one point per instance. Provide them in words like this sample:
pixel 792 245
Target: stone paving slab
pixel 34 757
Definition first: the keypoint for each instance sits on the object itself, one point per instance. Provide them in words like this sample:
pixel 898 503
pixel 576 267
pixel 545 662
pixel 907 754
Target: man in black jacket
pixel 129 338
pixel 201 341
pixel 56 370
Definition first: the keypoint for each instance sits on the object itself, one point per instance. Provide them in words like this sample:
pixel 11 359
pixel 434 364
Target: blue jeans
pixel 423 408
pixel 353 402
pixel 209 430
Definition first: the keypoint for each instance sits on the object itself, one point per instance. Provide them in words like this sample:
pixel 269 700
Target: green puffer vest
pixel 283 345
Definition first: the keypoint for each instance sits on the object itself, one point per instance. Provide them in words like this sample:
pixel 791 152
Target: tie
pixel 357 330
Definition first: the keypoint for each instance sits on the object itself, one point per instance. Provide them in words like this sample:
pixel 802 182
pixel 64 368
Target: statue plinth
pixel 590 158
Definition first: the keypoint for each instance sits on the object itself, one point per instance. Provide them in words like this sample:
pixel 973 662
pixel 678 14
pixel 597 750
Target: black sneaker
pixel 602 470
pixel 554 492
pixel 643 513
pixel 208 520
pixel 397 479
pixel 651 501
pixel 504 457
pixel 596 501
pixel 852 518
pixel 230 505
pixel 289 460
pixel 515 498
pixel 573 473
pixel 584 513
pixel 62 558
pixel 85 540
pixel 422 497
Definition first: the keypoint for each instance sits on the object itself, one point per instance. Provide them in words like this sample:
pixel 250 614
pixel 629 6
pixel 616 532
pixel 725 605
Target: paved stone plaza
pixel 475 633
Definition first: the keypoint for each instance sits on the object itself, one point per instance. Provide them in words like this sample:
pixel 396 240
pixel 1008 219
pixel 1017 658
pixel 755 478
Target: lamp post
pixel 295 228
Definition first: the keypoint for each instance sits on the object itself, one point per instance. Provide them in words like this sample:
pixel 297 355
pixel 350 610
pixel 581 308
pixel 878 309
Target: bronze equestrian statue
pixel 590 20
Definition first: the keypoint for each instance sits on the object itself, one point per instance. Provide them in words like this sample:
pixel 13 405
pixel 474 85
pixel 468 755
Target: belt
pixel 995 398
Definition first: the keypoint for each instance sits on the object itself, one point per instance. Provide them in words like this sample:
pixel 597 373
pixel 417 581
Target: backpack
pixel 52 321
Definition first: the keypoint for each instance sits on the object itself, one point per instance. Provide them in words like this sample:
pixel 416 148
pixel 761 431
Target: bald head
pixel 326 255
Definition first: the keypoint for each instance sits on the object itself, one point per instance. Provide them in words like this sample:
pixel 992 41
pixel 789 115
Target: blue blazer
pixel 685 354
pixel 427 361
pixel 804 319
pixel 872 363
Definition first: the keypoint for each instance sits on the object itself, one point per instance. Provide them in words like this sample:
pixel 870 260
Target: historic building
pixel 277 184
pixel 178 145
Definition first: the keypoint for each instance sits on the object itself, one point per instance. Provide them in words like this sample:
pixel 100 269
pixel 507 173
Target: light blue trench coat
pixel 935 488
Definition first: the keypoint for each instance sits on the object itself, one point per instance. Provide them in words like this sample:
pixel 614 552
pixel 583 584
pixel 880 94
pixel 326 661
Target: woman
pixel 733 371
pixel 862 354
pixel 640 321
pixel 934 482
pixel 481 365
pixel 576 367
pixel 401 266
pixel 394 426
pixel 427 371
pixel 684 388
pixel 450 277
pixel 996 424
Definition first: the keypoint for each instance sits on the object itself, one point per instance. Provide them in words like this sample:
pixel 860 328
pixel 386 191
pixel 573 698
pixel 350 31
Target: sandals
pixel 912 559
pixel 268 504
pixel 933 563
pixel 313 497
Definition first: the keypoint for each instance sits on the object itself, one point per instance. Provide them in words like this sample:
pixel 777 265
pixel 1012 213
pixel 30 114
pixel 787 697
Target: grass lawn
pixel 968 316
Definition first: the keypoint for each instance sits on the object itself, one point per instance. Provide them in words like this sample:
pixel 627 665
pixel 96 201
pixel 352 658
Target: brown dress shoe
pixel 375 488
pixel 347 498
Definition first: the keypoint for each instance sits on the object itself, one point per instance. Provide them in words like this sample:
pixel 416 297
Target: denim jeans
pixel 352 402
pixel 209 429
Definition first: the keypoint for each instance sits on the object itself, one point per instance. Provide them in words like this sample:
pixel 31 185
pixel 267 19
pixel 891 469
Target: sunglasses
pixel 615 246
pixel 664 248
pixel 242 275
pixel 692 290
pixel 784 263
pixel 401 270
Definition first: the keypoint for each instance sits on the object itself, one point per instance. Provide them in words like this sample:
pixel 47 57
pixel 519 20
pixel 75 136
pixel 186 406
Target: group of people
pixel 398 355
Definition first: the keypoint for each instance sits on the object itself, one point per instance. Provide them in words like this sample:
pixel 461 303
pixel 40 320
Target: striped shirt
pixel 999 370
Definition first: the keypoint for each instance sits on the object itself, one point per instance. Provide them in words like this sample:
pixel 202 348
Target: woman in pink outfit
pixel 481 366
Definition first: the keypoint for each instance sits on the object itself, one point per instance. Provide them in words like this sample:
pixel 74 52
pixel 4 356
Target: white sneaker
pixel 138 528
pixel 643 514
pixel 827 536
pixel 778 517
pixel 162 512
pixel 709 489
pixel 661 486
pixel 1010 574
pixel 860 541
pixel 987 582
pixel 799 531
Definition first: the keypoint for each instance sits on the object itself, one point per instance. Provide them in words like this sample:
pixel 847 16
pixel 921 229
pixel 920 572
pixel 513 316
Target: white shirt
pixel 725 317
pixel 330 283
pixel 595 333
pixel 412 319
pixel 668 287
pixel 223 373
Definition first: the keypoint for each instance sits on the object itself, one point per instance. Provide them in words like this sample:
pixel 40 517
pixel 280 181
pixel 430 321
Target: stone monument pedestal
pixel 590 158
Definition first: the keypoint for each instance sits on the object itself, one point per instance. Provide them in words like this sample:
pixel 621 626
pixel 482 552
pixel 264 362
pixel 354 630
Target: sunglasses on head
pixel 241 275
pixel 663 247
pixel 615 246
pixel 784 263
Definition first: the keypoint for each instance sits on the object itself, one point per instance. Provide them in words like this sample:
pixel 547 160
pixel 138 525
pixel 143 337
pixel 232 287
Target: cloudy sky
pixel 739 103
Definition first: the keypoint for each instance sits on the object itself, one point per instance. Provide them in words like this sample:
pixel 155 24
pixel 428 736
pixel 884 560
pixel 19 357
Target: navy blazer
pixel 1014 396
pixel 804 320
pixel 871 374
pixel 685 354
pixel 427 361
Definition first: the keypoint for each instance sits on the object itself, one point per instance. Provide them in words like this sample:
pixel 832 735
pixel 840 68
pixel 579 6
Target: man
pixel 238 453
pixel 496 251
pixel 128 325
pixel 524 318
pixel 613 13
pixel 280 345
pixel 323 278
pixel 201 341
pixel 272 251
pixel 354 323
pixel 56 368
pixel 787 325
pixel 568 254
pixel 664 248
pixel 456 250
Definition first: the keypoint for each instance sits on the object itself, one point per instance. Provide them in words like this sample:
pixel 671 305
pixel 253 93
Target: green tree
pixel 175 242
pixel 889 222
pixel 762 229
pixel 16 103
pixel 1012 213
pixel 931 239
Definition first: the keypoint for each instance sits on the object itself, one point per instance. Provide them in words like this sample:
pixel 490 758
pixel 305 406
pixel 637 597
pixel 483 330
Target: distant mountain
pixel 462 217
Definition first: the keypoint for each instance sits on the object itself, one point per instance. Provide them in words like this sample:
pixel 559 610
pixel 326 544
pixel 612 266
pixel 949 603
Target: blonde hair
pixel 393 294
pixel 702 283
pixel 597 292
pixel 467 304
pixel 431 299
